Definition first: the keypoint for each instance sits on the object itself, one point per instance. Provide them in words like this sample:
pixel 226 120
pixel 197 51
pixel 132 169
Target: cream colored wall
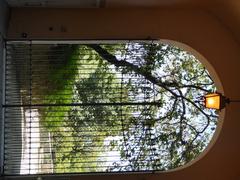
pixel 200 30
pixel 228 13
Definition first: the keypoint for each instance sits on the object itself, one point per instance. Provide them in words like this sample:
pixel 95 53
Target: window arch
pixel 104 106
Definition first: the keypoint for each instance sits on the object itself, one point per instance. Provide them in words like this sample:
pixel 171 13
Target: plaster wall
pixel 195 28
pixel 3 17
pixel 3 29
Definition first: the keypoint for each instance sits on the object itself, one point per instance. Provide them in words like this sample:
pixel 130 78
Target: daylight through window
pixel 103 107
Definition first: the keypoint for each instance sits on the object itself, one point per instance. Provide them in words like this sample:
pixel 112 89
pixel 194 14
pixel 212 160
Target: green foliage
pixel 61 78
pixel 79 132
pixel 174 133
pixel 149 137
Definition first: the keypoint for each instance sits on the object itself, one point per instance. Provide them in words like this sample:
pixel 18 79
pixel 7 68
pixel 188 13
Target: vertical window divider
pixel 30 104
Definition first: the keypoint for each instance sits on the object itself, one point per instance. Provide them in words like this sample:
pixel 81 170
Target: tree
pixel 142 94
pixel 176 131
pixel 80 147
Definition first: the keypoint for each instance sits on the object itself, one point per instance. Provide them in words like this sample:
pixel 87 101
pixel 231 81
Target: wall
pixel 3 17
pixel 3 29
pixel 193 27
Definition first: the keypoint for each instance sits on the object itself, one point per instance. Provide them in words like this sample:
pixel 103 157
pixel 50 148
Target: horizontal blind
pixel 94 107
pixel 68 110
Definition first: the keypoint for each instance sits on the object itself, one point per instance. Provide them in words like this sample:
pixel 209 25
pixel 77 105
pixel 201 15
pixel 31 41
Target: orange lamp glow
pixel 216 101
pixel 213 101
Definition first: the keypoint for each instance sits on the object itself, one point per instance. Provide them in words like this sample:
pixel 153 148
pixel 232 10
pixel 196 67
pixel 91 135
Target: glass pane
pixel 77 108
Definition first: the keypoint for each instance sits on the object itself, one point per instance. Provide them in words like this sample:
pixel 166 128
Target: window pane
pixel 77 108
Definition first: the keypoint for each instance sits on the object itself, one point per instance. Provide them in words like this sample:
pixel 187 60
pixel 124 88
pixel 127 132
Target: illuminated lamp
pixel 216 101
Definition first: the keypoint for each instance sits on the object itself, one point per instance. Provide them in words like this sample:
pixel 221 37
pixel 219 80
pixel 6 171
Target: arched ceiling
pixel 109 3
pixel 227 11
pixel 223 160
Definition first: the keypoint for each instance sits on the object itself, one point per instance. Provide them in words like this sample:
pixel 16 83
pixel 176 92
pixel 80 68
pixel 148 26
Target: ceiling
pixel 56 3
pixel 107 3
pixel 226 11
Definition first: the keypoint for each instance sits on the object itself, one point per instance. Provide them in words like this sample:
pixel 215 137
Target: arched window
pixel 77 107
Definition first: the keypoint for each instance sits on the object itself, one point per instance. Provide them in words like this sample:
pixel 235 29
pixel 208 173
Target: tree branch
pixel 138 70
